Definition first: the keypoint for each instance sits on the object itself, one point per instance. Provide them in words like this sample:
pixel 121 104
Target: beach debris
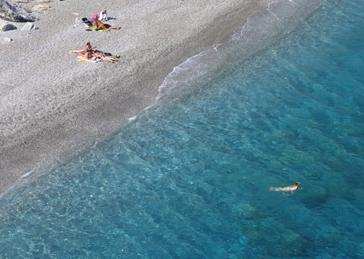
pixel 39 8
pixel 15 13
pixel 77 22
pixel 8 27
pixel 6 40
pixel 29 26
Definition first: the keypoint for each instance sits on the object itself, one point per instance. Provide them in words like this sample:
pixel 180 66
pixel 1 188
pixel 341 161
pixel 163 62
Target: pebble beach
pixel 53 107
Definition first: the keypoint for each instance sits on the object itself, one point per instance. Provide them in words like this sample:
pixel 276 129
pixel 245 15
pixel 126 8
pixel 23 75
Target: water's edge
pixel 192 177
pixel 261 30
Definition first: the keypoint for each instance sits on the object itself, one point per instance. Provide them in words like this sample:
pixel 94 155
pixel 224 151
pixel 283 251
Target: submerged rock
pixel 8 27
pixel 360 250
pixel 12 12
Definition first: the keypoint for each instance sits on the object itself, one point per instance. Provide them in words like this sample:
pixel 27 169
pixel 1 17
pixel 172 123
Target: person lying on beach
pixel 96 55
pixel 291 188
pixel 105 56
pixel 97 25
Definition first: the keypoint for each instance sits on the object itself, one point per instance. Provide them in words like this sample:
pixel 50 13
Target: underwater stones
pixel 325 236
pixel 360 250
pixel 315 197
pixel 245 210
pixel 287 242
pixel 358 198
pixel 293 245
pixel 275 239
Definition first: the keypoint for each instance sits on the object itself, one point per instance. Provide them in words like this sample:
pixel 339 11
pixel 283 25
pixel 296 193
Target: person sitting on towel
pixel 98 25
pixel 102 16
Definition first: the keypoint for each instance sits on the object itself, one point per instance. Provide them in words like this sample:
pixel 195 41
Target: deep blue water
pixel 190 178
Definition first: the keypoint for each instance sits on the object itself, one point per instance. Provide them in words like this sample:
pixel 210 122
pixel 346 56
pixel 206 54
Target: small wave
pixel 189 71
pixel 133 118
pixel 27 174
pixel 259 32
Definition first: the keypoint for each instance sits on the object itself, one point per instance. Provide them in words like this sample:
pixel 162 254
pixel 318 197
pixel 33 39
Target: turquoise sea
pixel 190 177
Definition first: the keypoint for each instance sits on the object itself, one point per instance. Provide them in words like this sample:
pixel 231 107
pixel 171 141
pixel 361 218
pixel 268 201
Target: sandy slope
pixel 52 106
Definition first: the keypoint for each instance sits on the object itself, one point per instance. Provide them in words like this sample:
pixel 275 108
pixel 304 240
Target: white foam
pixel 27 174
pixel 259 32
pixel 133 118
pixel 148 107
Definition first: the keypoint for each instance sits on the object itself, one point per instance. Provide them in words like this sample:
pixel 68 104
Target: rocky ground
pixel 20 15
pixel 35 6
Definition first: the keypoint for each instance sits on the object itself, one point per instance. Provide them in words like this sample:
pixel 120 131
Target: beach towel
pixel 78 52
pixel 83 59
pixel 94 29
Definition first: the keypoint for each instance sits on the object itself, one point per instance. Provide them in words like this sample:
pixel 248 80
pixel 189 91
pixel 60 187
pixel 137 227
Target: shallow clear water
pixel 190 178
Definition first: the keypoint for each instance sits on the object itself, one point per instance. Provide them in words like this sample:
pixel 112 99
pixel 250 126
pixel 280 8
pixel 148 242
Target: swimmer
pixel 291 188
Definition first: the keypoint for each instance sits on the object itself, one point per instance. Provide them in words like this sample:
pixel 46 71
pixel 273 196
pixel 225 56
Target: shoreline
pixel 63 107
pixel 54 113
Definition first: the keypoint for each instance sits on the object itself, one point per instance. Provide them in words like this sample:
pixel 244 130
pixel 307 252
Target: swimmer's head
pixel 298 184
